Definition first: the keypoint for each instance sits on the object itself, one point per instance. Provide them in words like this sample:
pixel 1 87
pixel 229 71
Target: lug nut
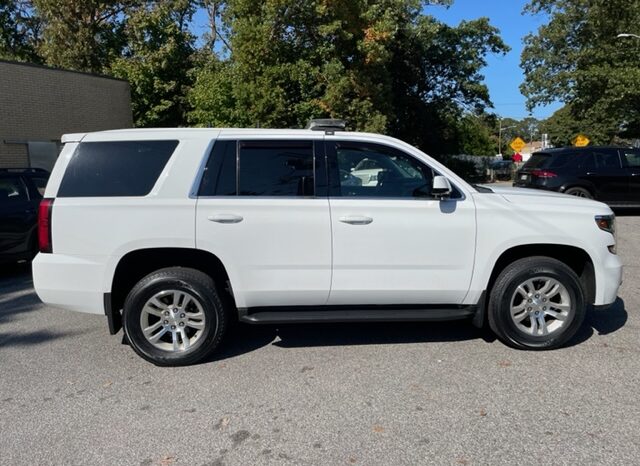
pixel 166 322
pixel 537 296
pixel 544 308
pixel 181 324
pixel 528 309
pixel 530 301
pixel 173 327
pixel 166 313
pixel 183 315
pixel 544 300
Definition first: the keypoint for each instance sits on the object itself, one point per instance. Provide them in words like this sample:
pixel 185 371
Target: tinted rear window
pixel 220 175
pixel 279 168
pixel 538 160
pixel 119 168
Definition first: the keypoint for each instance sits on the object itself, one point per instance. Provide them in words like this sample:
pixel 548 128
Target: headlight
pixel 608 223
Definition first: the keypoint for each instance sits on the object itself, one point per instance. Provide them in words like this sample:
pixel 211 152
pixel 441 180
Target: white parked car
pixel 172 233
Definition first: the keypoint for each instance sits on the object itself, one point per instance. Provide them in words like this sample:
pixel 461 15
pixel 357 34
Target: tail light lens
pixel 44 226
pixel 544 174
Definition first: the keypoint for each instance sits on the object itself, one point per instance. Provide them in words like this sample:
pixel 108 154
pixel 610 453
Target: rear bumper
pixel 70 282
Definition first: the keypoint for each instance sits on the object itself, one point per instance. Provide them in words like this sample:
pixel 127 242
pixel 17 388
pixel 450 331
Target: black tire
pixel 201 287
pixel 579 192
pixel 502 293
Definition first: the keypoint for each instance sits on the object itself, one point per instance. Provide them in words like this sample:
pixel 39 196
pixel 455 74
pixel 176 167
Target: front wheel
pixel 174 317
pixel 579 192
pixel 536 303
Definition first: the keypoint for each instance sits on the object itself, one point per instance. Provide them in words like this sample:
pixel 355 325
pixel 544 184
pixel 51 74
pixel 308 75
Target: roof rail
pixel 327 124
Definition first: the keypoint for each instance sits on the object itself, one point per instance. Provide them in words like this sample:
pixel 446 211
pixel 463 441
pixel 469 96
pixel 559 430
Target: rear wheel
pixel 174 317
pixel 579 192
pixel 536 303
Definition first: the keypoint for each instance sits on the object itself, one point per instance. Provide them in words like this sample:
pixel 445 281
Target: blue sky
pixel 502 73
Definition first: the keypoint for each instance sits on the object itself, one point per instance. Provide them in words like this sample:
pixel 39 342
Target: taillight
pixel 44 226
pixel 544 174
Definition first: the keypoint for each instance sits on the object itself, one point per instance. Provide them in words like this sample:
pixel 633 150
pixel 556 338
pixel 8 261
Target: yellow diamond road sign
pixel 581 141
pixel 518 144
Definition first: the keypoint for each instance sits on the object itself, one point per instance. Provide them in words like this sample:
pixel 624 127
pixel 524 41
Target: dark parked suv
pixel 608 174
pixel 20 193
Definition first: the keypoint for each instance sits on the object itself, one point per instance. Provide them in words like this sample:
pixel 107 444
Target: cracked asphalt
pixel 369 394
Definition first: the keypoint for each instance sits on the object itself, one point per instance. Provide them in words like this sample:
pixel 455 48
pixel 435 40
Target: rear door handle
pixel 356 220
pixel 225 218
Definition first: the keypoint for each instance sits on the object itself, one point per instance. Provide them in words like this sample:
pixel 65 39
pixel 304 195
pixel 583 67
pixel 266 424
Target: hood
pixel 542 197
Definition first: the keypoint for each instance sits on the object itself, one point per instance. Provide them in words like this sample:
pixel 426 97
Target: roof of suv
pixel 560 150
pixel 206 132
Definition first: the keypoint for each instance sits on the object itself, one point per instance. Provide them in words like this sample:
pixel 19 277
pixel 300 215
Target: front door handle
pixel 225 218
pixel 356 220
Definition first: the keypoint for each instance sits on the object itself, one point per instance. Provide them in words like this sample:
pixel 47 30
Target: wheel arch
pixel 136 264
pixel 576 258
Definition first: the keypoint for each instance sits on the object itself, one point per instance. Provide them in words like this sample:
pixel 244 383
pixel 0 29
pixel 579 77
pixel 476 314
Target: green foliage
pixel 382 65
pixel 80 35
pixel 474 136
pixel 157 61
pixel 563 127
pixel 577 58
pixel 19 31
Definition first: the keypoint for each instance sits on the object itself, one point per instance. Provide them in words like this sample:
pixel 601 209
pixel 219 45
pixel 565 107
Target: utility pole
pixel 500 130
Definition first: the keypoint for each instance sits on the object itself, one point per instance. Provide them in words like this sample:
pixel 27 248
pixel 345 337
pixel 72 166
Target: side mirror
pixel 441 187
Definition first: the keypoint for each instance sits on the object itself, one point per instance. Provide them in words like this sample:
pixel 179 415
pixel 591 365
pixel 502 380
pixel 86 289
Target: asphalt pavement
pixel 356 394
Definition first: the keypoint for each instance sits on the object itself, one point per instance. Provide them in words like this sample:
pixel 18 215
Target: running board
pixel 354 314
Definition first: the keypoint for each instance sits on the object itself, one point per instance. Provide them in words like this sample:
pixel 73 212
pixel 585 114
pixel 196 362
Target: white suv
pixel 174 233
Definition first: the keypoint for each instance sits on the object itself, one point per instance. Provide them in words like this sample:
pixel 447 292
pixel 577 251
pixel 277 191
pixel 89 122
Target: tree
pixel 157 61
pixel 563 127
pixel 576 58
pixel 382 65
pixel 19 31
pixel 474 136
pixel 81 35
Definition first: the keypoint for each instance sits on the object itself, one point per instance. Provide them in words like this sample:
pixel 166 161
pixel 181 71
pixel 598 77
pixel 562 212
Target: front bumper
pixel 608 279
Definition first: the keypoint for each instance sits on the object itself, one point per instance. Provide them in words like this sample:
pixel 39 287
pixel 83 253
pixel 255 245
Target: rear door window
pixel 279 168
pixel 631 158
pixel 12 190
pixel 115 168
pixel 220 175
pixel 260 168
pixel 606 158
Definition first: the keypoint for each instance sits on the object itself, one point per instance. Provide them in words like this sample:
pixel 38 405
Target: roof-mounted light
pixel 327 124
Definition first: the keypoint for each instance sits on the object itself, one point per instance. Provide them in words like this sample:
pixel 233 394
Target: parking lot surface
pixel 371 394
